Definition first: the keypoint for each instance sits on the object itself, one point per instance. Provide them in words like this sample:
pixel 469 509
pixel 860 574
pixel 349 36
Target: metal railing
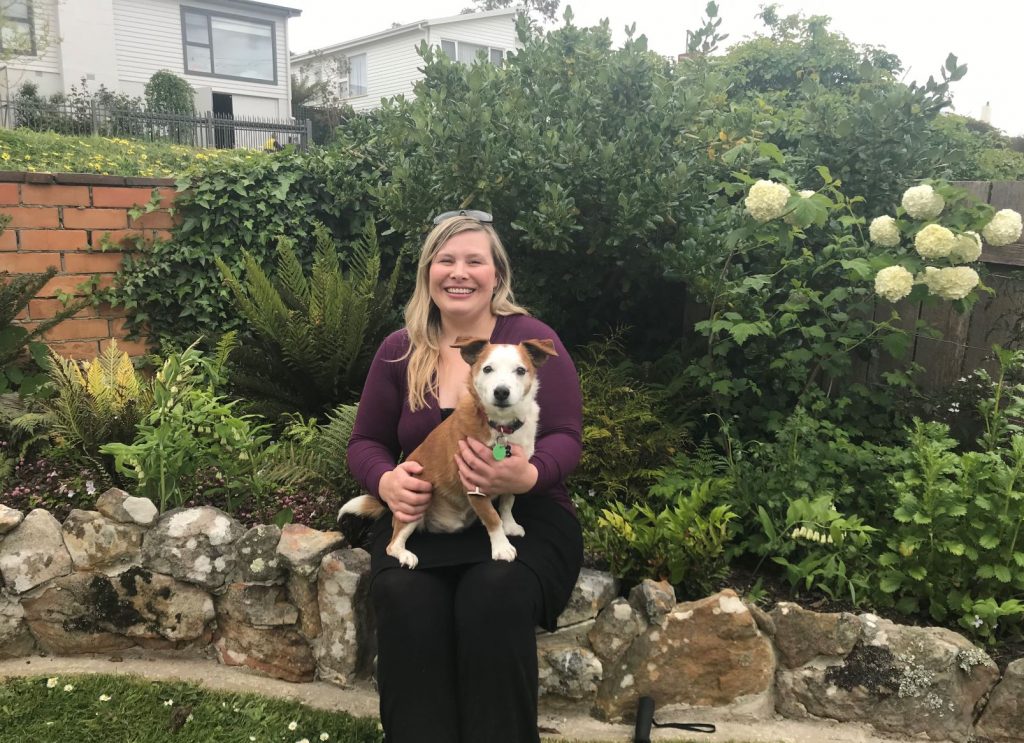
pixel 201 130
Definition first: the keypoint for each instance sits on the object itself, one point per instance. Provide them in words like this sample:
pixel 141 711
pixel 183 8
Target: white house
pixel 386 64
pixel 233 52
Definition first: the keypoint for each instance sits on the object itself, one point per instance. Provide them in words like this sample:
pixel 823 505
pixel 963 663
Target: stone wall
pixel 291 603
pixel 81 225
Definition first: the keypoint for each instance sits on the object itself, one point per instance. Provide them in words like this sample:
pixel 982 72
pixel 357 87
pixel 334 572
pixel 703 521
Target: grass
pixel 128 709
pixel 47 152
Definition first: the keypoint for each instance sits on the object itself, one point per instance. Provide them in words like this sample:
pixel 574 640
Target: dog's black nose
pixel 501 394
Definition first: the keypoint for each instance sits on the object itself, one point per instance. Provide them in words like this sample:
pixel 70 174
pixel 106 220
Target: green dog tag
pixel 500 451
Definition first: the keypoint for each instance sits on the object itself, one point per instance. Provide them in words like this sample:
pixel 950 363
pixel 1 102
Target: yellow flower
pixel 6 156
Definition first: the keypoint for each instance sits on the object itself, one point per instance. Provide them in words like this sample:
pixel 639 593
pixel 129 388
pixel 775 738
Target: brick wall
pixel 80 225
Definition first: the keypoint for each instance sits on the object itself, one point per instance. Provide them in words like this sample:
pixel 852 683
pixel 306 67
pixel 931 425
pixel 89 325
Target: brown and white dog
pixel 501 409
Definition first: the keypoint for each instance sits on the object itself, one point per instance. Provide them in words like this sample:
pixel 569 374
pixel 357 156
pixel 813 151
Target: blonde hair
pixel 423 318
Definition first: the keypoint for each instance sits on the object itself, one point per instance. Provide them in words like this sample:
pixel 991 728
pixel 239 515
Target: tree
pixel 547 8
pixel 168 93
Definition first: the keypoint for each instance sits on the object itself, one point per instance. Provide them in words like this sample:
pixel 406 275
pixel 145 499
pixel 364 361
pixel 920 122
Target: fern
pixel 308 336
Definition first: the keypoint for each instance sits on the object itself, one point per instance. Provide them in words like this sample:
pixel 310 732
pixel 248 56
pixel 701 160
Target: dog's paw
pixel 512 529
pixel 405 558
pixel 503 551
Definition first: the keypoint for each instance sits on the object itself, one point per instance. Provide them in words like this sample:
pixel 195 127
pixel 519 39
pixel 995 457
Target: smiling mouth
pixel 459 291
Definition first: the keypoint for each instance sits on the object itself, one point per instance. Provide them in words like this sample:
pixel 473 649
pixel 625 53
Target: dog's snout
pixel 501 393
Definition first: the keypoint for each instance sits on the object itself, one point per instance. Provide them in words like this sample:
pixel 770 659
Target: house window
pixel 16 31
pixel 465 52
pixel 357 75
pixel 228 46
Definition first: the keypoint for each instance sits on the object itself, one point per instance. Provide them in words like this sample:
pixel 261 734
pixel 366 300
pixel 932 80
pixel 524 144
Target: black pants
pixel 457 653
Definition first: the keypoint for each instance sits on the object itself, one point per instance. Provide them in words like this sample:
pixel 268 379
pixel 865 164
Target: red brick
pixel 33 216
pixel 95 219
pixel 134 348
pixel 22 318
pixel 31 262
pixel 9 194
pixel 162 235
pixel 55 195
pixel 8 240
pixel 76 329
pixel 77 349
pixel 167 197
pixel 54 239
pixel 44 309
pixel 156 220
pixel 116 238
pixel 123 197
pixel 66 283
pixel 106 310
pixel 93 262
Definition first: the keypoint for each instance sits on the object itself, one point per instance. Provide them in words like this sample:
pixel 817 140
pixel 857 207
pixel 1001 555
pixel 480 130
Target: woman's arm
pixel 560 433
pixel 374 447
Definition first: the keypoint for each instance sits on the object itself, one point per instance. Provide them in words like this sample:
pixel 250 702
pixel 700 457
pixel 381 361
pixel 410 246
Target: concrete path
pixel 557 721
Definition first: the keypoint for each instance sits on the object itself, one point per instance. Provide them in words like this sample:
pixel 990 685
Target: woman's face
pixel 463 276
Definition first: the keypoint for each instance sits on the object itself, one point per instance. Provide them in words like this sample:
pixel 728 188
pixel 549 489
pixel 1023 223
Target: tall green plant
pixel 309 339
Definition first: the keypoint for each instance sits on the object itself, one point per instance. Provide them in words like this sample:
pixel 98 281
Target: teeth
pixel 454 290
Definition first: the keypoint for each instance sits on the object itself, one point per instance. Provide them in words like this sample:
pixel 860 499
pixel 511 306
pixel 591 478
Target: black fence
pixel 203 130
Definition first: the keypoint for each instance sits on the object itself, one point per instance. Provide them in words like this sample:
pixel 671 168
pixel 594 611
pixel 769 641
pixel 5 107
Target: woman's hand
pixel 478 469
pixel 405 494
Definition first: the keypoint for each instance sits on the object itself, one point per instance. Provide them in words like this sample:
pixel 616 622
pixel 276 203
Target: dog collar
pixel 506 429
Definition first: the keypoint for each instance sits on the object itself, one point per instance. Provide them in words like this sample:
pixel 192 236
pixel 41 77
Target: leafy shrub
pixel 191 429
pixel 91 403
pixel 627 431
pixel 308 340
pixel 168 93
pixel 681 537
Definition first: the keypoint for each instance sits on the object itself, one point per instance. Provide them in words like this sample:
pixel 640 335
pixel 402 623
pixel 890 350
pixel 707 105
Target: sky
pixel 986 37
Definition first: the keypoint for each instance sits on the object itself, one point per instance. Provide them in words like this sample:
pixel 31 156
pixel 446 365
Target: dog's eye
pixel 487 369
pixel 520 371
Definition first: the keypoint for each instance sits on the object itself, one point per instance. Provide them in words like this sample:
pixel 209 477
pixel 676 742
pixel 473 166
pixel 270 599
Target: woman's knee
pixel 405 591
pixel 498 591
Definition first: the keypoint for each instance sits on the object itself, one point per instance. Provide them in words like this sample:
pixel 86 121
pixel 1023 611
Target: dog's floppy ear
pixel 470 347
pixel 540 350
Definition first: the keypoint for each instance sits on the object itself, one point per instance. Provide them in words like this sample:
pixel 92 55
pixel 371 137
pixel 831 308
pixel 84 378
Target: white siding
pixel 44 68
pixel 391 68
pixel 499 32
pixel 148 38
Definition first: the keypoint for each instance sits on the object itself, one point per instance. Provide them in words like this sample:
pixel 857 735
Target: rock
pixel 194 545
pixel 347 643
pixel 593 591
pixel 706 653
pixel 568 671
pixel 280 652
pixel 302 592
pixel 1003 718
pixel 909 681
pixel 15 639
pixel 260 606
pixel 96 543
pixel 653 599
pixel 33 553
pixel 256 559
pixel 91 612
pixel 124 508
pixel 802 635
pixel 616 627
pixel 302 548
pixel 9 518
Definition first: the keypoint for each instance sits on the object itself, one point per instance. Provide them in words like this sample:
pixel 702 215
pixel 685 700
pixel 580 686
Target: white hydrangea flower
pixel 1005 228
pixel 934 241
pixel 950 283
pixel 766 200
pixel 893 283
pixel 966 247
pixel 884 232
pixel 921 202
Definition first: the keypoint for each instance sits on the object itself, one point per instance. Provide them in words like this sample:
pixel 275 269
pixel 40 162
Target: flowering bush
pixel 922 202
pixel 894 283
pixel 884 232
pixel 967 247
pixel 934 241
pixel 766 200
pixel 952 282
pixel 1004 228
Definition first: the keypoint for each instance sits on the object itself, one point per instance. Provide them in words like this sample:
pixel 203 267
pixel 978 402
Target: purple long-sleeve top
pixel 386 428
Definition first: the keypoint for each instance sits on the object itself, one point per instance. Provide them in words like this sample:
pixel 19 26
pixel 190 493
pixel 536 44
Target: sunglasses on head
pixel 476 214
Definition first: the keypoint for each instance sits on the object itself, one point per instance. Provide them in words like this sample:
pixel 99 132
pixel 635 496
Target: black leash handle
pixel 645 721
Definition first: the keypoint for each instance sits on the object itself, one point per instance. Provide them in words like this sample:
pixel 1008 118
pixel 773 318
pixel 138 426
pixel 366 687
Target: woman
pixel 457 656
